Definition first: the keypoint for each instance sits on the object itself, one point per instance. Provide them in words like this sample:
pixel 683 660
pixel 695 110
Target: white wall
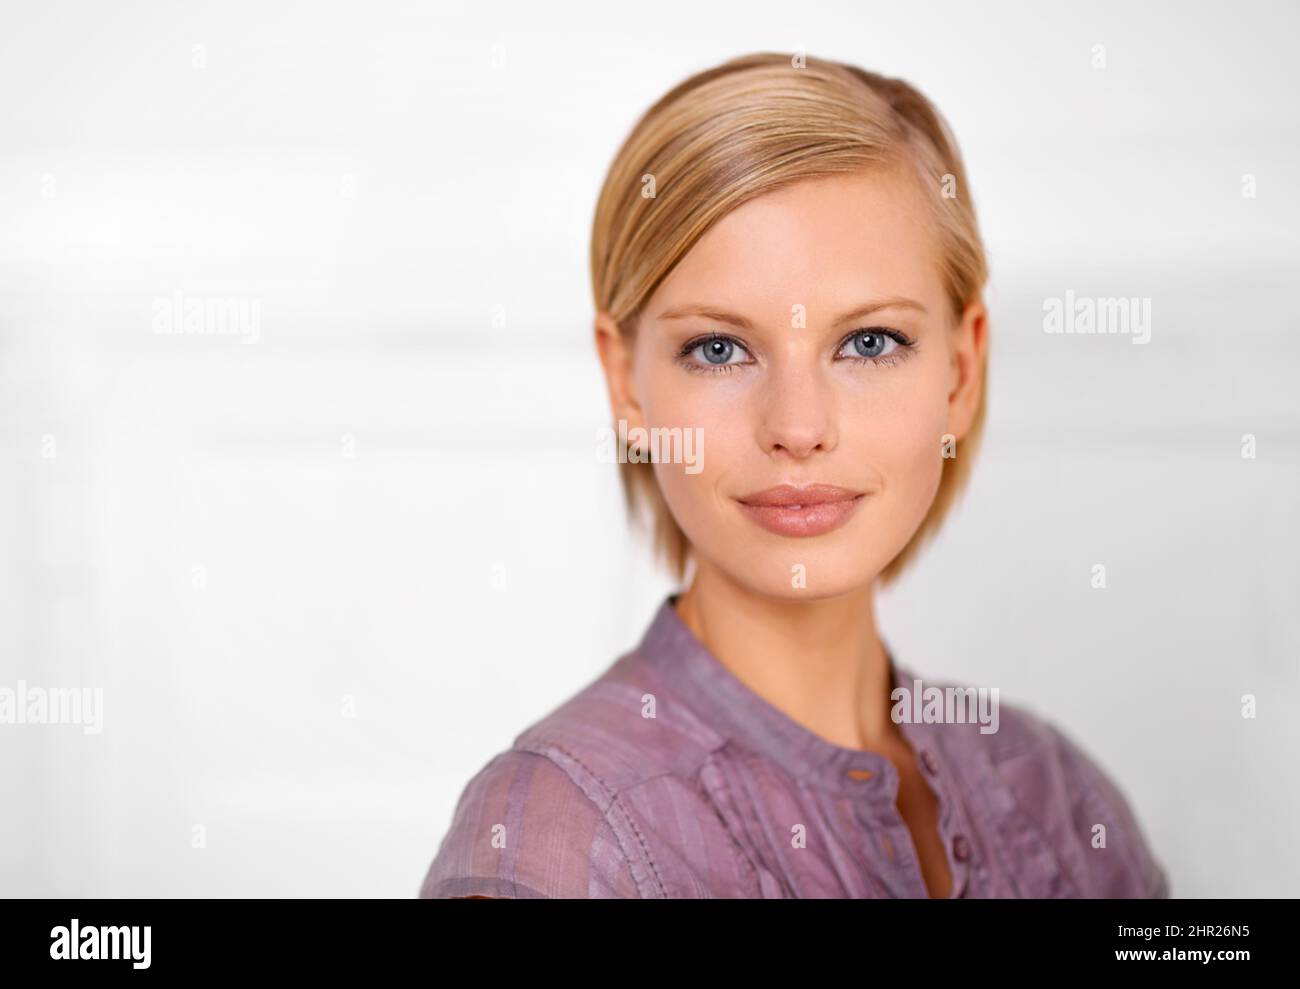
pixel 232 536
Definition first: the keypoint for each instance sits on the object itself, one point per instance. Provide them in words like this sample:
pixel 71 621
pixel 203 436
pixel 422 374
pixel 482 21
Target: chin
pixel 825 573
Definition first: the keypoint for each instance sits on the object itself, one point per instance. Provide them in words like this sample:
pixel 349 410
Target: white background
pixel 379 177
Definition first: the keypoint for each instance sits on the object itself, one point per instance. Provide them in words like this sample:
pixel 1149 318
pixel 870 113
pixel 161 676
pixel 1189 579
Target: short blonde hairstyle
pixel 746 127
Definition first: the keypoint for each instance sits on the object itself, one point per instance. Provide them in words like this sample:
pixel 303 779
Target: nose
pixel 797 417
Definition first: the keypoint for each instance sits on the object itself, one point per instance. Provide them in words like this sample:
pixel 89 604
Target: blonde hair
pixel 738 130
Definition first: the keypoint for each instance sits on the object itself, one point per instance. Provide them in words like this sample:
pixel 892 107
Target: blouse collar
pixel 733 709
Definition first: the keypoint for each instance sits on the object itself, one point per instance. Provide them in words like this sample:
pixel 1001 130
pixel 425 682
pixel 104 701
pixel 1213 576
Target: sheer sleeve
pixel 523 829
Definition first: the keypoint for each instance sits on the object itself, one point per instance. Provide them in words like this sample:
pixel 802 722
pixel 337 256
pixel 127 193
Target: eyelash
pixel 906 347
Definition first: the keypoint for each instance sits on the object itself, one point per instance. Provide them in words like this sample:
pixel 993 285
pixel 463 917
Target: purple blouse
pixel 668 777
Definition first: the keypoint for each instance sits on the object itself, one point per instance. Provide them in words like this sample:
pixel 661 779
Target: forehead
pixel 821 240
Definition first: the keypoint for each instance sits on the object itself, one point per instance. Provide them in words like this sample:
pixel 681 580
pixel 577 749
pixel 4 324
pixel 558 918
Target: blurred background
pixel 286 539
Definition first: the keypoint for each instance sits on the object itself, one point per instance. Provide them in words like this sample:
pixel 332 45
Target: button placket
pixel 951 822
pixel 930 762
pixel 894 869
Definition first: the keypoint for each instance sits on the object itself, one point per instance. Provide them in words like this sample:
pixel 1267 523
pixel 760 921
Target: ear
pixel 968 351
pixel 616 358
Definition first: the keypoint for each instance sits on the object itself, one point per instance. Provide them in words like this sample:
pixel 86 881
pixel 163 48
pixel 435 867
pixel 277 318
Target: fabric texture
pixel 668 777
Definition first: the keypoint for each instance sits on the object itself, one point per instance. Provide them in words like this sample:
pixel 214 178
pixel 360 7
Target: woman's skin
pixel 793 407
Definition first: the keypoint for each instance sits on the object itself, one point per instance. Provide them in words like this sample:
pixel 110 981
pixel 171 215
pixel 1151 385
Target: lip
pixel 808 511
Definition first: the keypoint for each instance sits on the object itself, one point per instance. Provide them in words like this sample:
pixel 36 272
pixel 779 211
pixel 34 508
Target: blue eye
pixel 715 354
pixel 717 351
pixel 871 344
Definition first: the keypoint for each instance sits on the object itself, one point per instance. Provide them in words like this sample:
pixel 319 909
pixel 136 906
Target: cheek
pixel 724 439
pixel 906 444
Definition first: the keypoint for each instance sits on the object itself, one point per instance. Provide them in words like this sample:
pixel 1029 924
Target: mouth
pixel 800 512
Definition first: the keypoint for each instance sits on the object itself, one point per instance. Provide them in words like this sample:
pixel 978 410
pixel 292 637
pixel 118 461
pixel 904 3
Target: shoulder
pixel 585 801
pixel 522 828
pixel 1077 805
pixel 623 730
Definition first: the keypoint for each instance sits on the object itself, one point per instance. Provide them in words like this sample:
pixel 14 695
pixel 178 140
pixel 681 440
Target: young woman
pixel 787 269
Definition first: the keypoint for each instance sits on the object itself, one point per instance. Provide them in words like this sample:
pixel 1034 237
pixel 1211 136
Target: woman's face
pixel 808 339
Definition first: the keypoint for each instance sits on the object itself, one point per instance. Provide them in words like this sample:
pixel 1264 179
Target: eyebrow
pixel 735 319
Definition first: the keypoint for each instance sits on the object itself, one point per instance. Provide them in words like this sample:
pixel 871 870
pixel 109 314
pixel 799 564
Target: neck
pixel 819 661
